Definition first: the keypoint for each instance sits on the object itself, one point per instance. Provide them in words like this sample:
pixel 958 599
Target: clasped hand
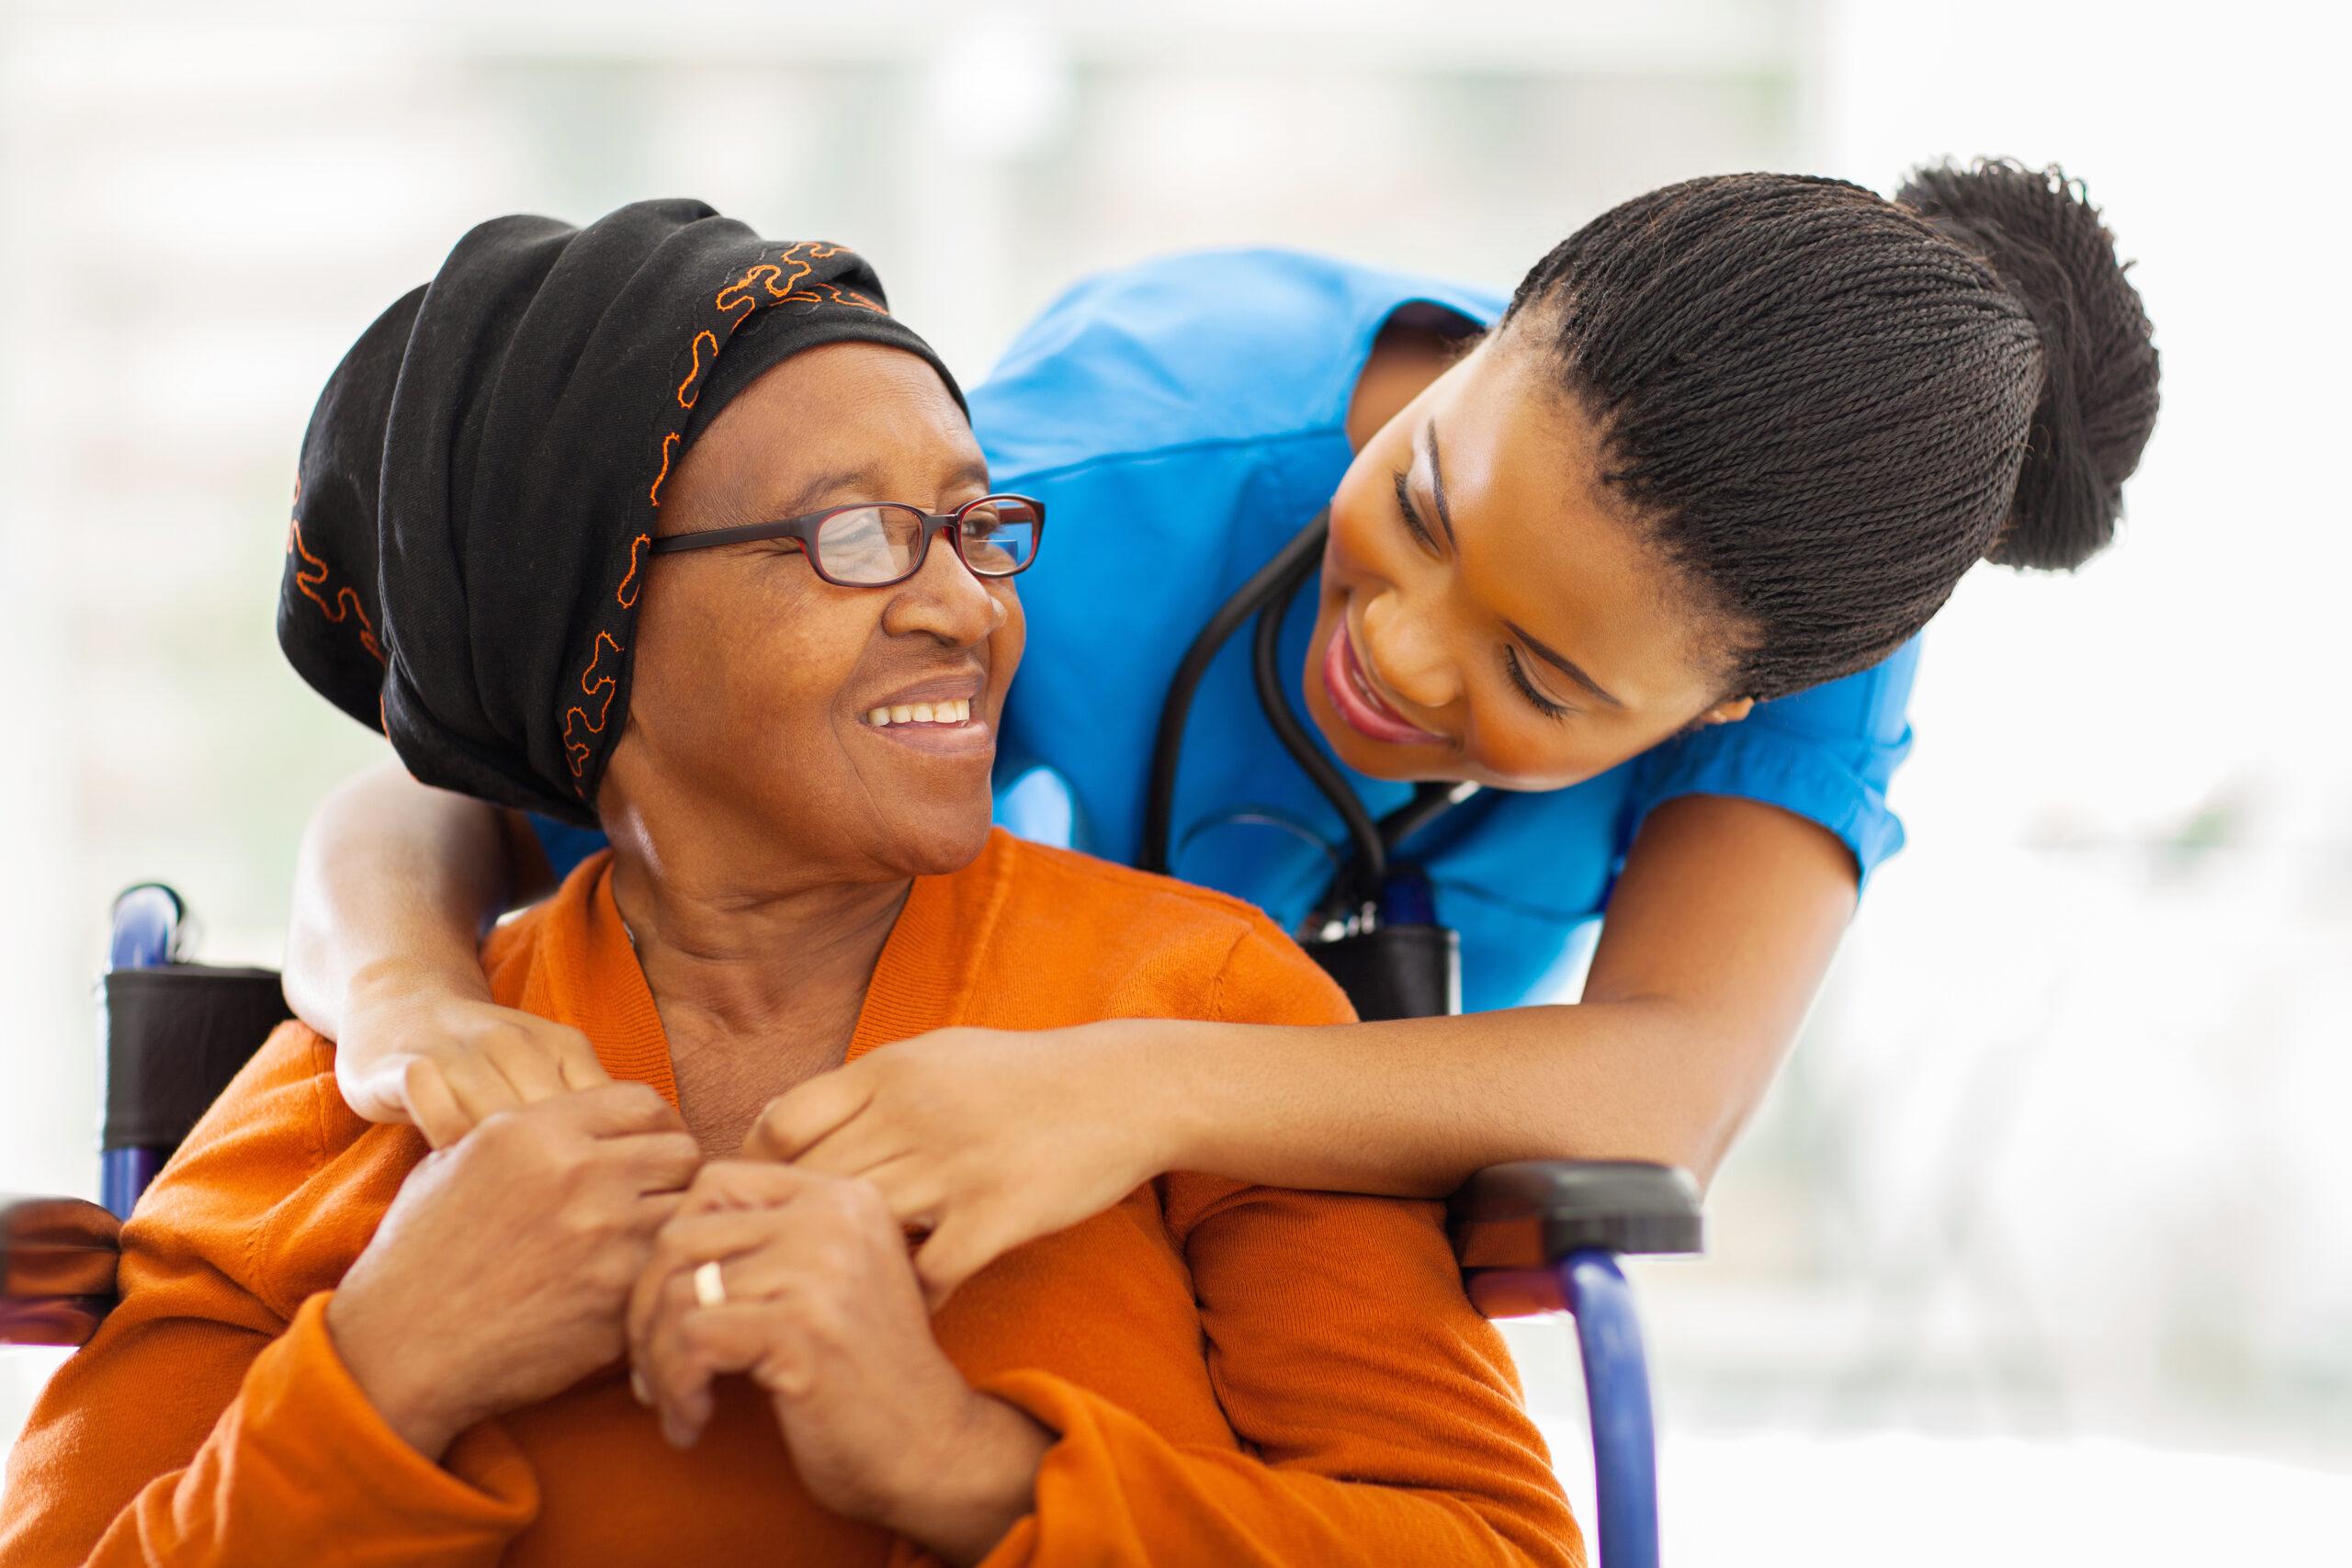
pixel 982 1139
pixel 552 1237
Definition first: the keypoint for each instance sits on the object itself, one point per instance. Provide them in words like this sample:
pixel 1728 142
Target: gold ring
pixel 710 1288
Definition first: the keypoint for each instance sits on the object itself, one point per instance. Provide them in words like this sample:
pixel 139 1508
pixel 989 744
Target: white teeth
pixel 957 711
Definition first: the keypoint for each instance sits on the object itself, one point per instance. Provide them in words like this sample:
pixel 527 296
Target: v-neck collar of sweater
pixel 583 969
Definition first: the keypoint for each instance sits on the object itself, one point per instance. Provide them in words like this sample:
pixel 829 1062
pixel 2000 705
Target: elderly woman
pixel 533 542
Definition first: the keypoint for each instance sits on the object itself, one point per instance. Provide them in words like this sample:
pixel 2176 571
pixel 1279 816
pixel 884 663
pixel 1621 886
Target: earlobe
pixel 1730 712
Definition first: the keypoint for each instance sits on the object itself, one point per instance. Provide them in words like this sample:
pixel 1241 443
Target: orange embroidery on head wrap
pixel 769 277
pixel 840 296
pixel 589 682
pixel 624 592
pixel 345 602
pixel 764 274
pixel 654 495
pixel 694 372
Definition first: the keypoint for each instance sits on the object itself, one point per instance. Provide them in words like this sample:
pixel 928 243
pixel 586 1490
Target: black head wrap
pixel 481 476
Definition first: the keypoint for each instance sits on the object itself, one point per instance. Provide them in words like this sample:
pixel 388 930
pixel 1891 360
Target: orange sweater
pixel 1237 1374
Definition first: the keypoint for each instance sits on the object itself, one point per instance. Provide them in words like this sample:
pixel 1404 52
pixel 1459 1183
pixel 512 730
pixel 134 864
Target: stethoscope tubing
pixel 1269 593
pixel 1168 744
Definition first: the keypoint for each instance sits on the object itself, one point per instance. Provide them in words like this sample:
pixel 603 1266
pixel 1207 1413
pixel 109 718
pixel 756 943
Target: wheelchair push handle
pixel 175 1032
pixel 150 927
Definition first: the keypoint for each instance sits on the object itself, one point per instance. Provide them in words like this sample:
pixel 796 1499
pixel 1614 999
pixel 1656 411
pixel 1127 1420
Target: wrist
pixel 397 984
pixel 401 1389
pixel 1176 1122
pixel 959 1493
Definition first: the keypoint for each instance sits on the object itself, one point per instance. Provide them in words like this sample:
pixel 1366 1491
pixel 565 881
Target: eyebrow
pixel 1562 662
pixel 861 481
pixel 1437 481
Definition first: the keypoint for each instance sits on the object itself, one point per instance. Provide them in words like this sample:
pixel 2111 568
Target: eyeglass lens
pixel 883 543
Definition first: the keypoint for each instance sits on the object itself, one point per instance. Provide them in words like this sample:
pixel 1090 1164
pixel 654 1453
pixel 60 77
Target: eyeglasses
pixel 875 544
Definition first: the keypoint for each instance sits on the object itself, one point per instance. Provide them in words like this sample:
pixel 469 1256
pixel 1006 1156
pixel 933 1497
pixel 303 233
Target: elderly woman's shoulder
pixel 278 1184
pixel 1215 957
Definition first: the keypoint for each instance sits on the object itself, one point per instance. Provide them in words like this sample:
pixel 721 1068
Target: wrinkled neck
pixel 733 961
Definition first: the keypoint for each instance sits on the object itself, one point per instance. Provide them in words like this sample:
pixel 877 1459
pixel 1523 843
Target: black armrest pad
pixel 175 1035
pixel 1532 1213
pixel 57 1269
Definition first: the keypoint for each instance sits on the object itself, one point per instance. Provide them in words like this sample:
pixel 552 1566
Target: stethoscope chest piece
pixel 1392 958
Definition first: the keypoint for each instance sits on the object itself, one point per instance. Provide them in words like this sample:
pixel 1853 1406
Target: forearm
pixel 1415 1108
pixel 394 886
pixel 1110 1481
pixel 1718 936
pixel 295 1467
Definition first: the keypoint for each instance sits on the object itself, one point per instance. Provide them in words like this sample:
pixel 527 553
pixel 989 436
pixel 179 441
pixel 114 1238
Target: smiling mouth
pixel 954 712
pixel 1360 707
pixel 938 717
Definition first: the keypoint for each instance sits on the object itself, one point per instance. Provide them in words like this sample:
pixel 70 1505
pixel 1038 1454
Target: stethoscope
pixel 1374 929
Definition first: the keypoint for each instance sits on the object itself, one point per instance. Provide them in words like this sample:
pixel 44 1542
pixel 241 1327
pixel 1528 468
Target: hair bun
pixel 2039 231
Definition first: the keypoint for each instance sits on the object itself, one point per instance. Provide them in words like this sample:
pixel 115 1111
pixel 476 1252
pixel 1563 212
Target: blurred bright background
pixel 2043 1247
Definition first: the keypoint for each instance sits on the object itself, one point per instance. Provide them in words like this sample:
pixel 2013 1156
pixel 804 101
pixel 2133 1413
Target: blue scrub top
pixel 1183 418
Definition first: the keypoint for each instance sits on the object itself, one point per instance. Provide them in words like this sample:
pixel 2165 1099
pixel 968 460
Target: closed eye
pixel 1413 523
pixel 1517 673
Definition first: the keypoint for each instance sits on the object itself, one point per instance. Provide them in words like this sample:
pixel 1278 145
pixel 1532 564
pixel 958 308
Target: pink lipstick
pixel 1359 704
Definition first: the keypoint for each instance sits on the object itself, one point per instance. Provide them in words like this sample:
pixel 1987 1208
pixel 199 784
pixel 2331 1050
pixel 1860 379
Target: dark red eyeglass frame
pixel 802 531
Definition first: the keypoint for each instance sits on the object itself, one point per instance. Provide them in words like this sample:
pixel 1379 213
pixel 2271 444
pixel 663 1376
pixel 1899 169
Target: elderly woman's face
pixel 748 723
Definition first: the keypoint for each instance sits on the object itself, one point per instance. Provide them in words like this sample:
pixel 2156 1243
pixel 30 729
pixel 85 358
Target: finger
pixel 480 1090
pixel 684 1243
pixel 689 1349
pixel 431 1106
pixel 798 1118
pixel 911 1186
pixel 677 1384
pixel 746 1184
pixel 528 1067
pixel 576 1060
pixel 854 1148
pixel 952 1255
pixel 653 1162
pixel 649 1212
pixel 617 1110
pixel 374 1089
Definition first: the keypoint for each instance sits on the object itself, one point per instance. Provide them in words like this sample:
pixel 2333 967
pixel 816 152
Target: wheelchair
pixel 1532 1238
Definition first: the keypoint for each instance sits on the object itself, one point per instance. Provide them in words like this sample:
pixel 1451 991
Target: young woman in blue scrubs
pixel 1645 551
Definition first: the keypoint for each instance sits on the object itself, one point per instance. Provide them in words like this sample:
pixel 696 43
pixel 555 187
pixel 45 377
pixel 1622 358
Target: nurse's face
pixel 1486 612
pixel 753 743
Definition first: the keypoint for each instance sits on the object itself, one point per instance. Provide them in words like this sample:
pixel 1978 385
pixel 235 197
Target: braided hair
pixel 1824 407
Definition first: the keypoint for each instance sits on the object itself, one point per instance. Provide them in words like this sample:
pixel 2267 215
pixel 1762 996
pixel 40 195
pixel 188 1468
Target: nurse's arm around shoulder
pixel 1719 933
pixel 395 884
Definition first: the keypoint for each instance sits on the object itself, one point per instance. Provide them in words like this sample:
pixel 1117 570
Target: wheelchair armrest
pixel 1515 1225
pixel 57 1269
pixel 1533 1214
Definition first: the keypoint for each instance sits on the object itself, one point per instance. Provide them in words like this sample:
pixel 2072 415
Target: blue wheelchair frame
pixel 148 921
pixel 1533 1236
